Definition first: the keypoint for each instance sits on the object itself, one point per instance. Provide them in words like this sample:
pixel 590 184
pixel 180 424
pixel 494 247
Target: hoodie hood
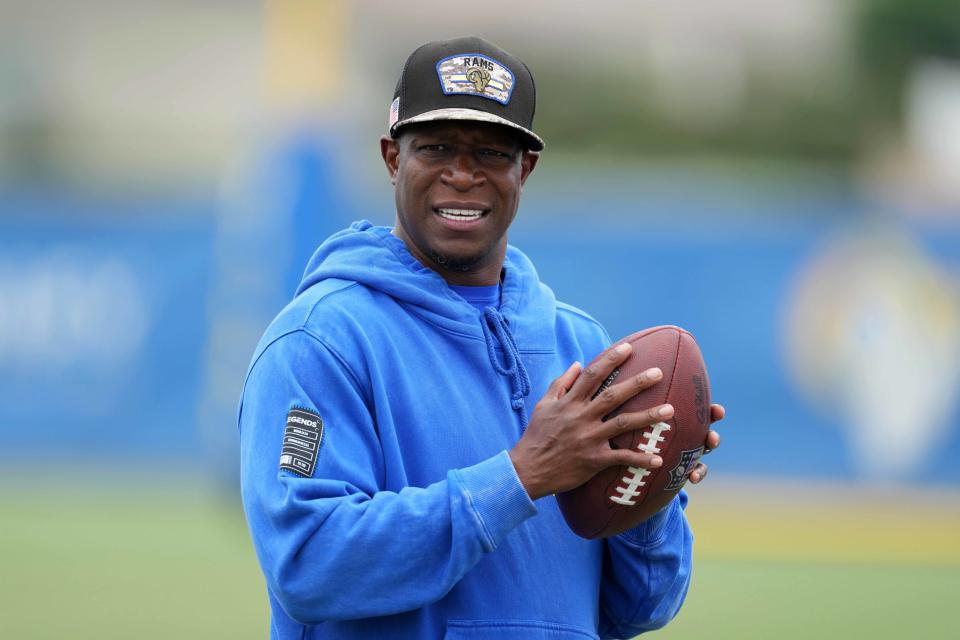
pixel 374 257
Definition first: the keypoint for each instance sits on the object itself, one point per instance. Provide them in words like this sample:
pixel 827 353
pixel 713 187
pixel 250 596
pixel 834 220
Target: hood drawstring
pixel 514 371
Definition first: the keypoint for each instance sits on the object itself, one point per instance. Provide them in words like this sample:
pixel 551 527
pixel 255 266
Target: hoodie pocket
pixel 515 629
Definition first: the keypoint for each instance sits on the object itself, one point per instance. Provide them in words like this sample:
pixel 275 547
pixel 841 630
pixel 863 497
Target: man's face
pixel 457 191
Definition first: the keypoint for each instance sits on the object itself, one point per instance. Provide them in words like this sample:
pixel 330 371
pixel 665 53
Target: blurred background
pixel 781 176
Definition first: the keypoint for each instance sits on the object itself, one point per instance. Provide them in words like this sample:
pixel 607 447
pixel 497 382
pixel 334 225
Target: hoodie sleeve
pixel 646 573
pixel 334 545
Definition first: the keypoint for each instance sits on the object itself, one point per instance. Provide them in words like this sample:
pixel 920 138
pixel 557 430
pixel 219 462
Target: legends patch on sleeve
pixel 301 442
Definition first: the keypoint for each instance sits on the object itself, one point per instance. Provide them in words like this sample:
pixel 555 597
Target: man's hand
pixel 567 442
pixel 699 472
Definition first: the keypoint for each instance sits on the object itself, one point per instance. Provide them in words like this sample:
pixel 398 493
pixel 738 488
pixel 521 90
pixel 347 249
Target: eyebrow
pixel 505 140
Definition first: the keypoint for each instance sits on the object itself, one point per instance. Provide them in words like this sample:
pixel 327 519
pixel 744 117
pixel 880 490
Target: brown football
pixel 619 498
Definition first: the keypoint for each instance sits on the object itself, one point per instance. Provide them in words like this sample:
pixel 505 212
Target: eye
pixel 495 157
pixel 433 147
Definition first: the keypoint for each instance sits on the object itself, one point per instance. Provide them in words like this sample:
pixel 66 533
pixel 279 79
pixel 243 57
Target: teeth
pixel 460 214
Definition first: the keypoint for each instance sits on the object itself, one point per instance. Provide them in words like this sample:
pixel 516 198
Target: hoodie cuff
pixel 496 496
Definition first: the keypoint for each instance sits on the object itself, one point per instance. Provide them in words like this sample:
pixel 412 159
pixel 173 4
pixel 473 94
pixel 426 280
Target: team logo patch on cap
pixel 475 74
pixel 301 442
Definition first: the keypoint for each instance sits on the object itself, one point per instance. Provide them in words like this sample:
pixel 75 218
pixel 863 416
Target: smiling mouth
pixel 464 215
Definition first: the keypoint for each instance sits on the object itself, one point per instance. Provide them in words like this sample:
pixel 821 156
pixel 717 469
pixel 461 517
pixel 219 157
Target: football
pixel 621 497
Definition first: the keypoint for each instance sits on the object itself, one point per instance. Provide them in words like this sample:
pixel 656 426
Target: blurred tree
pixel 890 36
pixel 615 111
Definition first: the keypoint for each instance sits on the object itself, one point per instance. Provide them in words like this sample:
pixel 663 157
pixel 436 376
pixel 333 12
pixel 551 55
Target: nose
pixel 462 172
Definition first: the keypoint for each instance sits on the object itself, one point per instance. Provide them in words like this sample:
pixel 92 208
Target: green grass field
pixel 177 563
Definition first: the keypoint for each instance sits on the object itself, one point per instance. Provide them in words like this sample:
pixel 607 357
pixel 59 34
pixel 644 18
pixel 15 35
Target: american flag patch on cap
pixel 394 111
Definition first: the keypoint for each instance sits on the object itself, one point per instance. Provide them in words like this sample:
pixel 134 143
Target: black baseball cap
pixel 466 79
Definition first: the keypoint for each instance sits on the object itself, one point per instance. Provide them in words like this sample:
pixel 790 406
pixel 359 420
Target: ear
pixel 390 151
pixel 528 163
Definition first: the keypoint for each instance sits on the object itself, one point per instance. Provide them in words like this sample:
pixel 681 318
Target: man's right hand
pixel 567 442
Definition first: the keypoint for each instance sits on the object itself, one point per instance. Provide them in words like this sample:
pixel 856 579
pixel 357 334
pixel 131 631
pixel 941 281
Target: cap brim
pixel 534 142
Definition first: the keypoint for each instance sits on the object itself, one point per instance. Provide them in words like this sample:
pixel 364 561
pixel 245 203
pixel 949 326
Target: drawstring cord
pixel 514 371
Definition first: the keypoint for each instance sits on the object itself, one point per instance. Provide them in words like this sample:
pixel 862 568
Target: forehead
pixel 463 131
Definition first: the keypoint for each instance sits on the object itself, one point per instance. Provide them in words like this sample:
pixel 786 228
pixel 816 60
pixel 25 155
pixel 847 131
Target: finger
pixel 615 395
pixel 713 441
pixel 717 412
pixel 559 387
pixel 699 473
pixel 637 459
pixel 598 371
pixel 624 422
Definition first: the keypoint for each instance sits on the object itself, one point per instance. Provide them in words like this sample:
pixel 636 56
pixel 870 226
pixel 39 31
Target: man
pixel 396 474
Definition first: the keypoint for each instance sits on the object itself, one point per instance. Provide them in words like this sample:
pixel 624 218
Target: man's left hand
pixel 699 472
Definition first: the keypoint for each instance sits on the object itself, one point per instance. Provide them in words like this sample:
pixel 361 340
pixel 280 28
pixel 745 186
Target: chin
pixel 460 264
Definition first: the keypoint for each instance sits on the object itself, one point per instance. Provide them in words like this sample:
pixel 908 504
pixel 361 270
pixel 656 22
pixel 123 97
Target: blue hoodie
pixel 407 519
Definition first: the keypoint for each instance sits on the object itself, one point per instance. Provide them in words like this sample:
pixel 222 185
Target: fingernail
pixel 653 373
pixel 623 347
pixel 666 411
pixel 656 461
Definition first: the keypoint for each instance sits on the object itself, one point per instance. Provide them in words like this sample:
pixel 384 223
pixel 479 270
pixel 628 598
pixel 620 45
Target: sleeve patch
pixel 301 442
